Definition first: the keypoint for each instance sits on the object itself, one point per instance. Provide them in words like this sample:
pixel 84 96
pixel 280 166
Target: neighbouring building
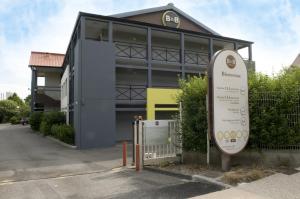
pixel 46 70
pixel 296 62
pixel 5 95
pixel 129 64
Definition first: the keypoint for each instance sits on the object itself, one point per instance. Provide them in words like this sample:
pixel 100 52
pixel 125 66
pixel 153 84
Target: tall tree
pixel 16 99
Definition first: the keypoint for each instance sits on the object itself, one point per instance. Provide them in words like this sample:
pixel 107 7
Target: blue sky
pixel 46 25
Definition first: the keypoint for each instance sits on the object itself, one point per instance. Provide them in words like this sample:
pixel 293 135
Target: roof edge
pixel 169 6
pixel 40 52
pixel 220 37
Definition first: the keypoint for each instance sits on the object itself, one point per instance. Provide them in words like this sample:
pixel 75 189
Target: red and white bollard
pixel 124 153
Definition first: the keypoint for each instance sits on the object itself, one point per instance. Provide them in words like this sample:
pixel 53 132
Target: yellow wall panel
pixel 160 96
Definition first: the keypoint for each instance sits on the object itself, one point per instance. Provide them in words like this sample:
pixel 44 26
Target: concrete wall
pixel 165 79
pixel 94 94
pixel 131 76
pixel 124 121
pixel 249 157
pixel 64 92
pixel 52 80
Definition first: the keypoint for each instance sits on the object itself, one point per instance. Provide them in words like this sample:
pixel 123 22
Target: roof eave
pixel 167 7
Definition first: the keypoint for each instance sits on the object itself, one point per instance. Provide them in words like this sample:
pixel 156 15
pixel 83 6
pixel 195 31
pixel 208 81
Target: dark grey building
pixel 112 60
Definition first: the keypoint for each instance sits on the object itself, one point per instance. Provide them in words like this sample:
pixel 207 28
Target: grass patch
pixel 245 175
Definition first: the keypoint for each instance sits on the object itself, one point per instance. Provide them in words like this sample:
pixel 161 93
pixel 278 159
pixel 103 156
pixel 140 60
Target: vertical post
pixel 110 32
pixel 134 141
pixel 235 46
pixel 149 56
pixel 225 158
pixel 211 49
pixel 250 52
pixel 124 153
pixel 33 87
pixel 182 48
pixel 137 162
pixel 208 133
pixel 180 130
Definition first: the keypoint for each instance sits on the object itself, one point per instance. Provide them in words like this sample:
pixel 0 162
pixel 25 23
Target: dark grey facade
pixel 112 61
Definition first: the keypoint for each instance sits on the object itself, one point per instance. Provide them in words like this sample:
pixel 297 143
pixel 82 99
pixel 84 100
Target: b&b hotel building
pixel 123 65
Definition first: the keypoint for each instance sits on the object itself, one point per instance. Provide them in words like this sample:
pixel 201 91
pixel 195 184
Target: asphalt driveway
pixel 25 155
pixel 32 166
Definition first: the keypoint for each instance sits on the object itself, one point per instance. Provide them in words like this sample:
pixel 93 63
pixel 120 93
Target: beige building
pixel 296 62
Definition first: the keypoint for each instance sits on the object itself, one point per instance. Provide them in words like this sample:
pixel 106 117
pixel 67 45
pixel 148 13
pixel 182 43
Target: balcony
pixel 130 50
pixel 195 58
pixel 131 93
pixel 160 54
pixel 165 54
pixel 48 88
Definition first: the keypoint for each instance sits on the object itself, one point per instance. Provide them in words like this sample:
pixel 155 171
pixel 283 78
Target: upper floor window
pixel 40 81
pixel 96 30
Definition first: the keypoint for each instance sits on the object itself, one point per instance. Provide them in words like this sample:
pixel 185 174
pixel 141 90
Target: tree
pixel 28 100
pixel 17 99
pixel 8 109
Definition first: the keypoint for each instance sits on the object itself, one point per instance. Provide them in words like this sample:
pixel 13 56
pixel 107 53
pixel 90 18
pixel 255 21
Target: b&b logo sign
pixel 171 19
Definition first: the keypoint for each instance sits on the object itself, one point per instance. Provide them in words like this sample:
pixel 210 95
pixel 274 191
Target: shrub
pixel 35 120
pixel 43 128
pixel 15 120
pixel 194 124
pixel 273 108
pixel 8 109
pixel 63 132
pixel 51 118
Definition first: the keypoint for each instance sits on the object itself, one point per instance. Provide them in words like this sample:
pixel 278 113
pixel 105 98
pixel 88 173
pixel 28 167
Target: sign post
pixel 228 104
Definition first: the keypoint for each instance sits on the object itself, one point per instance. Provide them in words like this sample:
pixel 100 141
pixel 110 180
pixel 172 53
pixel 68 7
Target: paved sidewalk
pixel 277 186
pixel 233 193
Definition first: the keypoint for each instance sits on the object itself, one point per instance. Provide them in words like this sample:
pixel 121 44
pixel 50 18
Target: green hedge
pixel 272 100
pixel 35 120
pixel 272 108
pixel 49 119
pixel 15 120
pixel 194 124
pixel 63 132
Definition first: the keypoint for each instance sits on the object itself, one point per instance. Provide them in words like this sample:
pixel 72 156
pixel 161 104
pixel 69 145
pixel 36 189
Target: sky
pixel 46 25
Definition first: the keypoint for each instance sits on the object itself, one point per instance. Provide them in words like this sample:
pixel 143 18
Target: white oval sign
pixel 230 110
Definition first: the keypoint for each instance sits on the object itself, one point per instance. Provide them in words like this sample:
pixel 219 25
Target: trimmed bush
pixel 194 125
pixel 43 128
pixel 63 132
pixel 35 120
pixel 49 119
pixel 15 120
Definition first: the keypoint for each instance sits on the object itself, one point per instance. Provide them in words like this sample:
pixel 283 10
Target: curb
pixel 61 143
pixel 211 180
pixel 169 173
pixel 189 177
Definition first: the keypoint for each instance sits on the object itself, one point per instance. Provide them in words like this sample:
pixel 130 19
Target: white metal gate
pixel 155 140
pixel 160 139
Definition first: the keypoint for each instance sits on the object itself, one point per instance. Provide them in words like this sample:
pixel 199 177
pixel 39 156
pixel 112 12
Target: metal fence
pixel 161 53
pixel 131 92
pixel 276 100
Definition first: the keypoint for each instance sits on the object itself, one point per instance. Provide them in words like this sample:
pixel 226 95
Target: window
pixel 41 81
